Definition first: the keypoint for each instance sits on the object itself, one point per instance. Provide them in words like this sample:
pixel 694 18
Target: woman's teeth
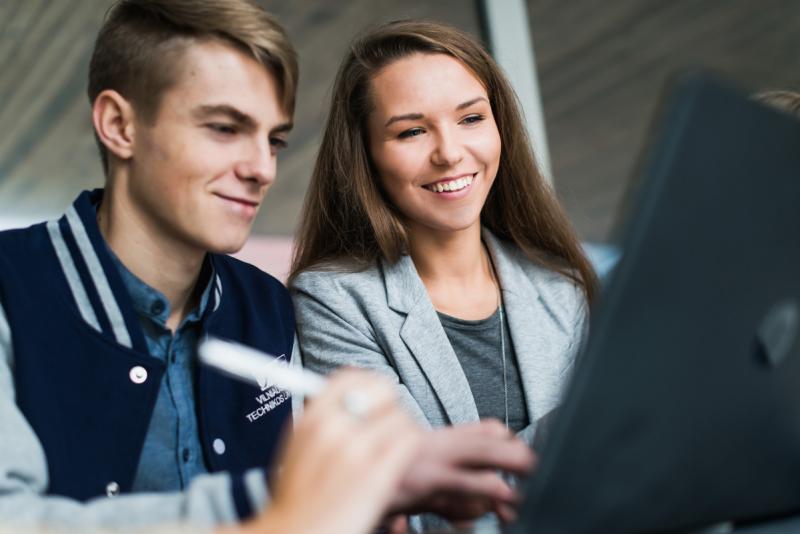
pixel 453 185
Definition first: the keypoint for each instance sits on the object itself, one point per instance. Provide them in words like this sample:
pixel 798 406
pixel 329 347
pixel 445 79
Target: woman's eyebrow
pixel 468 103
pixel 405 117
pixel 418 116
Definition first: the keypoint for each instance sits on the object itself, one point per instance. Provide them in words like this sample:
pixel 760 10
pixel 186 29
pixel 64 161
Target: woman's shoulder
pixel 338 277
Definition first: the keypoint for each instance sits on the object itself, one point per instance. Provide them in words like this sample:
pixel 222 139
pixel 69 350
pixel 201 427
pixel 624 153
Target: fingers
pixel 480 498
pixel 345 461
pixel 463 508
pixel 482 484
pixel 331 426
pixel 374 390
pixel 486 446
pixel 487 427
pixel 383 436
pixel 397 524
pixel 505 512
pixel 378 447
pixel 388 438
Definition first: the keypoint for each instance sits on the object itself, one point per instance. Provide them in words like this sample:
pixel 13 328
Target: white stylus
pixel 259 368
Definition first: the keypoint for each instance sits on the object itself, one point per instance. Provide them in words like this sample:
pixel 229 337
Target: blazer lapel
pixel 425 338
pixel 536 335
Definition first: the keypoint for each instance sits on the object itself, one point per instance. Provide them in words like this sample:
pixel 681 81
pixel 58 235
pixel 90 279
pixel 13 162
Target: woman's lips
pixel 451 186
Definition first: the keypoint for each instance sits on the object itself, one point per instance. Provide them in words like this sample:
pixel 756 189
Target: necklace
pixel 496 281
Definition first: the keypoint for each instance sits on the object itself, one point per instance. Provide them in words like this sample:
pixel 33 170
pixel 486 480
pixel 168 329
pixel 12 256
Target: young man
pixel 105 417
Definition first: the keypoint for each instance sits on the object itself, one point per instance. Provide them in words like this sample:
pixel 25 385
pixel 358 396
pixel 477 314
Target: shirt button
pixel 185 455
pixel 157 307
pixel 219 446
pixel 138 374
pixel 112 489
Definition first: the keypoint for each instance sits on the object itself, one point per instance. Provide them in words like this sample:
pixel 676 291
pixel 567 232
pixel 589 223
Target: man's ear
pixel 113 119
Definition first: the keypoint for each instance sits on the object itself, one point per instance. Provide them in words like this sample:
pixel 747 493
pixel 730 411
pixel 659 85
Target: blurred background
pixel 589 74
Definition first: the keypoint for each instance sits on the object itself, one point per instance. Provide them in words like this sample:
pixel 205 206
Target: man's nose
pixel 260 165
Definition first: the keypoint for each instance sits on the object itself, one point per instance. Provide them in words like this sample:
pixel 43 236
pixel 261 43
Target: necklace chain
pixel 503 354
pixel 496 282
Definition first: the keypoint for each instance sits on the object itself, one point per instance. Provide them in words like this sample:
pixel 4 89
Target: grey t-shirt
pixel 478 348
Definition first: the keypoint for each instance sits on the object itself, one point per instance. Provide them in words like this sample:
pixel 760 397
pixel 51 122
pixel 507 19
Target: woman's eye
pixel 472 119
pixel 412 132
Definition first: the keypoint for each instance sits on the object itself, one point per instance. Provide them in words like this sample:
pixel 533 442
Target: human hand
pixel 454 473
pixel 340 470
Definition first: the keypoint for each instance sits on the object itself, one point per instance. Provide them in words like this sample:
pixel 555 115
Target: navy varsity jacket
pixel 84 380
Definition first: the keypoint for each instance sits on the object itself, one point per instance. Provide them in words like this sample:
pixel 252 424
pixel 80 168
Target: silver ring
pixel 357 404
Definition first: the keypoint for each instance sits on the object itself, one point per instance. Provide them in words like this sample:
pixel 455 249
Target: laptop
pixel 684 406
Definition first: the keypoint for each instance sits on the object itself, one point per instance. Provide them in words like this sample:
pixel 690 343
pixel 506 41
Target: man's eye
pixel 472 119
pixel 411 132
pixel 277 143
pixel 225 129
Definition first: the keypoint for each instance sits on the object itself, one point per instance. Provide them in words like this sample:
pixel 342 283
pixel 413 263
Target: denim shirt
pixel 172 454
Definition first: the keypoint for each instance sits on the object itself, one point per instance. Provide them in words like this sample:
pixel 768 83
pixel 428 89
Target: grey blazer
pixel 382 319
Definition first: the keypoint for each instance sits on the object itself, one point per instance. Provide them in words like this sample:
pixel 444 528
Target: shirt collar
pixel 151 303
pixel 148 301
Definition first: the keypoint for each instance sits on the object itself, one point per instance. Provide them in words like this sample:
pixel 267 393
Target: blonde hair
pixel 347 219
pixel 139 47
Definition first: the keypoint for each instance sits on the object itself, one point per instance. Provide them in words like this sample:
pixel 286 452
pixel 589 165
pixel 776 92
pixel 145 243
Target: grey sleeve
pixel 24 479
pixel 334 332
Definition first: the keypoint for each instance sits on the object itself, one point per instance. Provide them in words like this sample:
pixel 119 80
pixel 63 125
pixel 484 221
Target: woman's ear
pixel 112 116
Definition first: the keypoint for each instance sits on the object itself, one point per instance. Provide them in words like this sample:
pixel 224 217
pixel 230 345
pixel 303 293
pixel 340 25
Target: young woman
pixel 430 247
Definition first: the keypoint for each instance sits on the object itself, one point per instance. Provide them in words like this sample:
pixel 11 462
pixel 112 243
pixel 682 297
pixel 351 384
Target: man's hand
pixel 347 464
pixel 344 460
pixel 454 473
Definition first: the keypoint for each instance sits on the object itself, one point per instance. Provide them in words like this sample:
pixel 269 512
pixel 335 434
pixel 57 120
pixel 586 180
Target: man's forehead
pixel 219 78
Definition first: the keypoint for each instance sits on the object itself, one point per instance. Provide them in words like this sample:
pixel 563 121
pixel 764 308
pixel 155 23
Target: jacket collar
pixel 422 332
pixel 538 331
pixel 93 280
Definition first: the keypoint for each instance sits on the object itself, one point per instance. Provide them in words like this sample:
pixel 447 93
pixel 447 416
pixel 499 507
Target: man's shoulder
pixel 21 246
pixel 248 284
pixel 245 275
pixel 21 236
pixel 249 294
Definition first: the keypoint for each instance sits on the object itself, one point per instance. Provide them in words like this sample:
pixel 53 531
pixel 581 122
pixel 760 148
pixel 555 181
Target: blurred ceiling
pixel 601 66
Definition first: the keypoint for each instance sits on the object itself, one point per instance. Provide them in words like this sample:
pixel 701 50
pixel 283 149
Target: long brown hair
pixel 347 222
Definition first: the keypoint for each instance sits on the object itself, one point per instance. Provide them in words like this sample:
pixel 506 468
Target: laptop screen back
pixel 684 408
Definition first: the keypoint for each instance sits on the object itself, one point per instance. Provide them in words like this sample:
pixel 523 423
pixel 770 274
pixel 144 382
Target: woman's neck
pixel 455 268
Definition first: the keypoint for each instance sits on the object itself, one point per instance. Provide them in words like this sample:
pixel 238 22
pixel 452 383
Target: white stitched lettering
pixel 268 403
